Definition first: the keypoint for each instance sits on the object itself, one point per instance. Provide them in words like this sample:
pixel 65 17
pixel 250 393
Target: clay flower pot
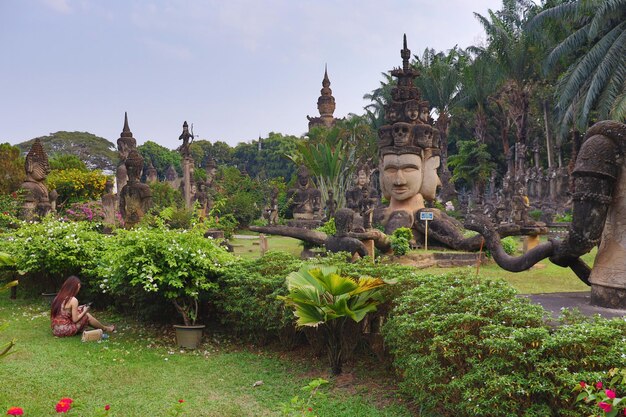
pixel 189 336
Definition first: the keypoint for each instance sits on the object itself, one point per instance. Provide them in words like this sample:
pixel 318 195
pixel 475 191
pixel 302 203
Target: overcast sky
pixel 236 69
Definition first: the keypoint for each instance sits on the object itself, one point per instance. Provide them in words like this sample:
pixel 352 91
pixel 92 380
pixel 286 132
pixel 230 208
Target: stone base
pixel 304 223
pixel 608 297
pixel 442 259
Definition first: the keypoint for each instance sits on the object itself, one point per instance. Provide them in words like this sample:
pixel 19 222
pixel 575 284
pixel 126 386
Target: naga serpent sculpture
pixel 598 217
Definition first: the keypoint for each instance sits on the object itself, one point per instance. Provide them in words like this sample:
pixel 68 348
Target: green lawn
pixel 139 372
pixel 542 278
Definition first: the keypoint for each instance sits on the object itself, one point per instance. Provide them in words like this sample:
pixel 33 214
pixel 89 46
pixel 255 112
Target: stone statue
pixel 599 217
pixel 362 190
pixel 306 200
pixel 135 198
pixel 36 199
pixel 187 138
pixel 53 196
pixel 519 207
pixel 125 144
pixel 202 198
pixel 109 204
pixel 331 205
pixel 151 174
pixel 271 211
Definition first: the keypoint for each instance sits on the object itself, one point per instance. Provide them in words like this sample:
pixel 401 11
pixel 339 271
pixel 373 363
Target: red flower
pixel 66 400
pixel 15 411
pixel 63 407
pixel 582 384
pixel 181 401
pixel 610 393
pixel 599 385
pixel 107 407
pixel 310 409
pixel 606 407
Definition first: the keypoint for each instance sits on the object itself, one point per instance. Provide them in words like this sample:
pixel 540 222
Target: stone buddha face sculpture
pixel 401 180
pixel 362 179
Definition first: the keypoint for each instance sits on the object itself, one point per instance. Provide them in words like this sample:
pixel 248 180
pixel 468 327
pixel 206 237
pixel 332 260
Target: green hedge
pixel 466 346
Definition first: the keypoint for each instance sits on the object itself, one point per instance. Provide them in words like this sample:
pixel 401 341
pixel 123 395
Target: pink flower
pixel 15 411
pixel 599 385
pixel 610 393
pixel 63 407
pixel 582 384
pixel 606 407
pixel 66 400
pixel 107 407
pixel 181 401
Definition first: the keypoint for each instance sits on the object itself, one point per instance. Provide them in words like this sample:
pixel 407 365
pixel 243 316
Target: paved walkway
pixel 554 302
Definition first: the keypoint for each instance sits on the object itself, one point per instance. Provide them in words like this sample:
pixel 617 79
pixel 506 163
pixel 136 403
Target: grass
pixel 545 277
pixel 139 372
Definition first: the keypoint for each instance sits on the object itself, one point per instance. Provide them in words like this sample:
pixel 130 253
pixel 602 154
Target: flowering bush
pixel 53 248
pixel 175 264
pixel 89 211
pixel 605 396
pixel 75 185
pixel 304 406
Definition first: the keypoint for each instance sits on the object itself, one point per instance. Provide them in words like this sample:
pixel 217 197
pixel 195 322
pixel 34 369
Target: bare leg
pixel 93 322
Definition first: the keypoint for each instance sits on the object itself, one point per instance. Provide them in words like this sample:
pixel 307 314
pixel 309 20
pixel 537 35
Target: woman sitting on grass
pixel 67 317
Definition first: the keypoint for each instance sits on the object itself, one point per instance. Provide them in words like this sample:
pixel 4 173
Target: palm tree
pixel 379 97
pixel 594 84
pixel 511 50
pixel 472 164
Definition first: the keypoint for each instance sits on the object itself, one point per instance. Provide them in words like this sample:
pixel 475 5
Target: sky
pixel 235 69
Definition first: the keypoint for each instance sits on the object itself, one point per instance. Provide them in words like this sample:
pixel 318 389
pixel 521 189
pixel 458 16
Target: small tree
pixel 321 297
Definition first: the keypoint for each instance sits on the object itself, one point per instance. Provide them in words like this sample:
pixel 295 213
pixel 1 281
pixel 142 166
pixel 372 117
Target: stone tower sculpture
pixel 125 144
pixel 325 105
pixel 36 199
pixel 184 150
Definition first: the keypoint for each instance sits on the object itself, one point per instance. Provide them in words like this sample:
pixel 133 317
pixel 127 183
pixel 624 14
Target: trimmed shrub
pixel 467 346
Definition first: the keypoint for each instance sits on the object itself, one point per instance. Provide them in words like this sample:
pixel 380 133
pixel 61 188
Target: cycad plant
pixel 324 299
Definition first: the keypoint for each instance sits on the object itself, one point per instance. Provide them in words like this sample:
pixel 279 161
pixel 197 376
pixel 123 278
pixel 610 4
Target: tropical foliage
pixel 323 298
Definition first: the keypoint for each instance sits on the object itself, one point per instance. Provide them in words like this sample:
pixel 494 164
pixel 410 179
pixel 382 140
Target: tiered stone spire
pixel 325 105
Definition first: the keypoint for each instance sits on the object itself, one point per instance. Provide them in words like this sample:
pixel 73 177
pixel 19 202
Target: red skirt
pixel 63 326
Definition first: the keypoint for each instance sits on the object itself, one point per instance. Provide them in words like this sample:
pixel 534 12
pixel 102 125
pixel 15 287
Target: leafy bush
pixel 509 244
pixel 563 218
pixel 163 195
pixel 535 214
pixel 400 241
pixel 88 211
pixel 74 185
pixel 53 249
pixel 175 265
pixel 329 227
pixel 246 302
pixel 467 346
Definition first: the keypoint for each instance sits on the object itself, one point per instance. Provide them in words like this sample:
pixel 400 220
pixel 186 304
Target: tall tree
pixel 595 47
pixel 11 168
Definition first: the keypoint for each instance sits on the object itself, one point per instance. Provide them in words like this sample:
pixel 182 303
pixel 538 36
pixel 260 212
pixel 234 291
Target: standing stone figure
pixel 271 211
pixel 135 198
pixel 109 204
pixel 125 144
pixel 36 199
pixel 362 190
pixel 152 175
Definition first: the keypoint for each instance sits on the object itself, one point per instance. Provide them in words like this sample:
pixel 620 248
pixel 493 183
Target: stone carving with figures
pixel 135 198
pixel 109 205
pixel 125 144
pixel 37 198
pixel 409 158
pixel 598 217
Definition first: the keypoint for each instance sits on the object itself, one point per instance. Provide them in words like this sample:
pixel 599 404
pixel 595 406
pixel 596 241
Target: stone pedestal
pixel 530 242
pixel 369 247
pixel 263 244
pixel 187 171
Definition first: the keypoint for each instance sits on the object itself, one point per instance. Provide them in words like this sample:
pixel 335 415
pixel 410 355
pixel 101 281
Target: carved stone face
pixel 424 114
pixel 402 176
pixel 431 179
pixel 37 172
pixel 362 179
pixel 401 134
pixel 411 111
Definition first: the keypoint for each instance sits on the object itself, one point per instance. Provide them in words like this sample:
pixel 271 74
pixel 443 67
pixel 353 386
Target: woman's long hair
pixel 68 290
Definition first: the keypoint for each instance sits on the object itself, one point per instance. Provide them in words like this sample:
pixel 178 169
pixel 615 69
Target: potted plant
pixel 178 265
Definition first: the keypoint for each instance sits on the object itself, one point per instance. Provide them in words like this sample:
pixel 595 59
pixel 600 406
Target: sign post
pixel 426 216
